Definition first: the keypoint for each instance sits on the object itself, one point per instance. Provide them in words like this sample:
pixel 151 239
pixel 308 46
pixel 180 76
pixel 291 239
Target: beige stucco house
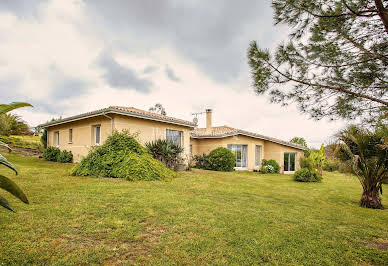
pixel 250 148
pixel 79 133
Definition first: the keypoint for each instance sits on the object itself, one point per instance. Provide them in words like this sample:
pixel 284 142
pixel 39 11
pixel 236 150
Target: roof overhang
pixel 247 134
pixel 114 111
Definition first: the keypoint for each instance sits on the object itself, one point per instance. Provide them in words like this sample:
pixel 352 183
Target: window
pixel 97 135
pixel 174 136
pixel 258 156
pixel 70 135
pixel 241 154
pixel 56 138
pixel 191 149
pixel 289 162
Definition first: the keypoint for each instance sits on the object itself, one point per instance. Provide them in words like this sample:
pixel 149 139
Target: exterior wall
pixel 276 152
pixel 83 136
pixel 201 146
pixel 149 130
pixel 269 150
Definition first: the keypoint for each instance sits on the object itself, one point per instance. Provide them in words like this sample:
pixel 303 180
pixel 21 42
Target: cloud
pixel 150 69
pixel 122 77
pixel 171 75
pixel 213 35
pixel 54 53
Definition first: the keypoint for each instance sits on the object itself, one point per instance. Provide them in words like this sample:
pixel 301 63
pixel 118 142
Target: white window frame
pixel 70 135
pixel 56 138
pixel 180 132
pixel 230 147
pixel 95 135
pixel 258 162
pixel 289 163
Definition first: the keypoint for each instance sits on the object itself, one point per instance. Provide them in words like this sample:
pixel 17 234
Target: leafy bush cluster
pixel 54 154
pixel 18 142
pixel 269 167
pixel 307 175
pixel 201 162
pixel 122 156
pixel 165 151
pixel 220 159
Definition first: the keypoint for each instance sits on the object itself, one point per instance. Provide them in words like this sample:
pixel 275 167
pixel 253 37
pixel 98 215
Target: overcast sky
pixel 71 56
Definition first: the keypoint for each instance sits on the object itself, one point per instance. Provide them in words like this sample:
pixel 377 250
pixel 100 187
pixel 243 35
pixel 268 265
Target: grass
pixel 202 217
pixel 26 142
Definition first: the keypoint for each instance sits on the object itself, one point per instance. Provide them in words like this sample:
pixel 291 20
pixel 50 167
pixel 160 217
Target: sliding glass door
pixel 289 162
pixel 241 152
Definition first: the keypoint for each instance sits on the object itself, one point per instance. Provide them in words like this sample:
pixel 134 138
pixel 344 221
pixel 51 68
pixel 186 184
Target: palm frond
pixel 10 186
pixel 5 145
pixel 4 108
pixel 5 204
pixel 5 162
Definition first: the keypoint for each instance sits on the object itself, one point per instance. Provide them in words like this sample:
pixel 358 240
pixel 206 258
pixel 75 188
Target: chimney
pixel 208 120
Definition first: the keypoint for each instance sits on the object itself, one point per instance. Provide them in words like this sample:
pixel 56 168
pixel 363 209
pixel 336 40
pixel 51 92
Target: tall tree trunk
pixel 371 199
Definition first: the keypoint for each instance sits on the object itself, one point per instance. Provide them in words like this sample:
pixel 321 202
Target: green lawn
pixel 201 217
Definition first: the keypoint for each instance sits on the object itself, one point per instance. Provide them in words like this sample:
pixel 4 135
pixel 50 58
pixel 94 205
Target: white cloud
pixel 59 49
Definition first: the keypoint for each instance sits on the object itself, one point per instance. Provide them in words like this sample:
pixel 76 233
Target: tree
pixel 299 140
pixel 158 108
pixel 11 124
pixel 335 63
pixel 365 152
pixel 6 183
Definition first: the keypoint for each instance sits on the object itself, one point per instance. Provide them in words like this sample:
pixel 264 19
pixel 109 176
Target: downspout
pixel 111 123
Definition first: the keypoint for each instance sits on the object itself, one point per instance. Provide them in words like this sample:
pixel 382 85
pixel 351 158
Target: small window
pixel 174 136
pixel 70 135
pixel 56 136
pixel 97 135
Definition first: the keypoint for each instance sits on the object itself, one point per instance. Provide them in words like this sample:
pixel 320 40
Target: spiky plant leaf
pixel 5 145
pixel 10 186
pixel 4 108
pixel 5 162
pixel 5 204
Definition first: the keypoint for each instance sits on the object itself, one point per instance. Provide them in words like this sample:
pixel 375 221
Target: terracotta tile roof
pixel 226 131
pixel 151 114
pixel 129 111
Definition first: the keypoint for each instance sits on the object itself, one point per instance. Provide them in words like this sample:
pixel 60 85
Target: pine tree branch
pixel 338 89
pixel 383 13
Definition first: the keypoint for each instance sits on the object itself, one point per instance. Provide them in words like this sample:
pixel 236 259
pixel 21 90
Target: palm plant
pixel 165 151
pixel 365 152
pixel 6 183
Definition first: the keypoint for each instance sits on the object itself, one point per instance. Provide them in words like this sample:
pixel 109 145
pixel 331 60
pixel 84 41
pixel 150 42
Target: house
pixel 81 132
pixel 250 148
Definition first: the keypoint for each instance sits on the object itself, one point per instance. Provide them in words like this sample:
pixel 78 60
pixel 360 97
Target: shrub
pixel 265 169
pixel 331 166
pixel 201 162
pixel 306 162
pixel 165 151
pixel 51 154
pixel 221 159
pixel 65 157
pixel 307 175
pixel 122 156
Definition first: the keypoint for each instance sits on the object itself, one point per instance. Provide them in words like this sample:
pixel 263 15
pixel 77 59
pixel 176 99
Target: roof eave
pixel 252 136
pixel 113 111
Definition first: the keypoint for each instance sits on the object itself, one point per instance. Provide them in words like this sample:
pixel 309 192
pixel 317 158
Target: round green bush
pixel 307 175
pixel 51 154
pixel 269 167
pixel 122 156
pixel 65 157
pixel 221 159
